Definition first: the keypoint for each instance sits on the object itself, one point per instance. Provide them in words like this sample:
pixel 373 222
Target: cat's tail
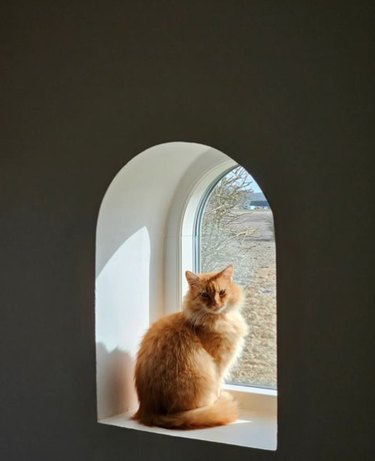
pixel 223 411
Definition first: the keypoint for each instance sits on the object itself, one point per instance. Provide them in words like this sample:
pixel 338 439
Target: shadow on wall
pixel 115 381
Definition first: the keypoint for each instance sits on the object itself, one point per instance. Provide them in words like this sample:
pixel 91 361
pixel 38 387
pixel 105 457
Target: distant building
pixel 256 200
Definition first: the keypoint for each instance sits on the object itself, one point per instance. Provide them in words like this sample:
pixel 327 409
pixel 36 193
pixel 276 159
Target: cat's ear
pixel 227 273
pixel 192 278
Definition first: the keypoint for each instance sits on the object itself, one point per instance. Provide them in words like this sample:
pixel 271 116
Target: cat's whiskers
pixel 203 314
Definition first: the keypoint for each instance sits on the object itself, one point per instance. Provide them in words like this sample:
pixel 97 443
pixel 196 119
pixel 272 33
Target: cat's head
pixel 212 293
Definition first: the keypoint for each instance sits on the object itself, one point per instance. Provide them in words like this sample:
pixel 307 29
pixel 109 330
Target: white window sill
pixel 256 428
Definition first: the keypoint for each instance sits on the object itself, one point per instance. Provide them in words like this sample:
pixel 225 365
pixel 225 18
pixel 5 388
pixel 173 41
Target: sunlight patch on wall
pixel 121 288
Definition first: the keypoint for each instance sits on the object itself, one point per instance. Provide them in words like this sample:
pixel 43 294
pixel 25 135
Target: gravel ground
pixel 254 261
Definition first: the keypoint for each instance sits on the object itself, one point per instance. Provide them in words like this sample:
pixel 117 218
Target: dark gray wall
pixel 286 89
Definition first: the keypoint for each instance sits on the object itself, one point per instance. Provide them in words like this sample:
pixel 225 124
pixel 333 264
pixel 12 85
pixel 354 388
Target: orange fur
pixel 184 357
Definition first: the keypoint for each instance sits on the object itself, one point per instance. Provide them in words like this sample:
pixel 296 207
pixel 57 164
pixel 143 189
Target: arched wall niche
pixel 143 242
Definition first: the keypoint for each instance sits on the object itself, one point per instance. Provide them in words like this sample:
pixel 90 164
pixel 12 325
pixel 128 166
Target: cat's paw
pixel 224 395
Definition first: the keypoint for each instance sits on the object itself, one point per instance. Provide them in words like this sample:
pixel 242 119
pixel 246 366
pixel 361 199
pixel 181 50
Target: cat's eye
pixel 222 293
pixel 205 295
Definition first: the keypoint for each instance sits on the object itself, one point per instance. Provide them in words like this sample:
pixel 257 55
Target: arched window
pixel 234 224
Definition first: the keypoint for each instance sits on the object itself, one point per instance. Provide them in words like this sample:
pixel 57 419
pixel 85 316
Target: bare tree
pixel 221 223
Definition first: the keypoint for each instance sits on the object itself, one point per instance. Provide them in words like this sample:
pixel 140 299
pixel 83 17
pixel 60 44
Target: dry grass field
pixel 254 259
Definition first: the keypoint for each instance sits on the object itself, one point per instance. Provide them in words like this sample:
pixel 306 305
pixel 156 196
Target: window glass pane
pixel 235 225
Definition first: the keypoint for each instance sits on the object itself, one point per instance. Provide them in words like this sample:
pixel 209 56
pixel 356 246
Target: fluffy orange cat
pixel 184 357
